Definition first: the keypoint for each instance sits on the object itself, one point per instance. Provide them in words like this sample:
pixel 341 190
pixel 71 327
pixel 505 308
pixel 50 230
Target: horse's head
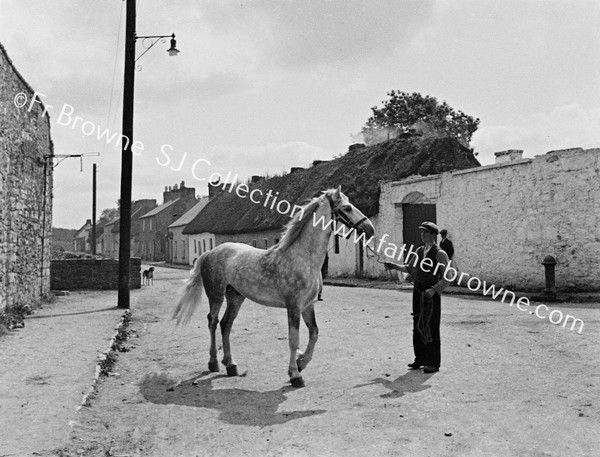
pixel 345 212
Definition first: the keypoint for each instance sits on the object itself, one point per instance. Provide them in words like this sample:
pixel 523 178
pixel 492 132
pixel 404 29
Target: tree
pixel 108 214
pixel 403 110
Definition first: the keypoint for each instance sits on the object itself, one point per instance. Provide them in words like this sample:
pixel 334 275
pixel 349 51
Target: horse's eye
pixel 346 208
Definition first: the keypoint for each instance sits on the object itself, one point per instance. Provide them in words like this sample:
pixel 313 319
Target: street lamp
pixel 153 39
pixel 127 158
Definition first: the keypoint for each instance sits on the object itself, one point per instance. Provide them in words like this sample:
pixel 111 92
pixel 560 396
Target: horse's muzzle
pixel 367 228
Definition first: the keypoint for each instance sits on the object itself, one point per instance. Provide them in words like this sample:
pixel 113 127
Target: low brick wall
pixel 99 274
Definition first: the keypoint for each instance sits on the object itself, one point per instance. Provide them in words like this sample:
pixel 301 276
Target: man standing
pixel 446 244
pixel 429 283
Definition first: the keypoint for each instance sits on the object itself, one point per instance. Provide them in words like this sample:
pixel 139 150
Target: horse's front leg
pixel 313 334
pixel 294 341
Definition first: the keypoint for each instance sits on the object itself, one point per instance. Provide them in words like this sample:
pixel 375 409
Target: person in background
pixel 426 297
pixel 446 244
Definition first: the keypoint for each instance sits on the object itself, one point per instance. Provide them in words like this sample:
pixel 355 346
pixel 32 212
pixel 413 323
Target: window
pixel 143 225
pixel 254 243
pixel 150 225
pixel 336 246
pixel 203 245
pixel 276 240
pixel 211 243
pixel 266 243
pixel 195 247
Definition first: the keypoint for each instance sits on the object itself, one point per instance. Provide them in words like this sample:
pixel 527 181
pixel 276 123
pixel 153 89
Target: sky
pixel 261 86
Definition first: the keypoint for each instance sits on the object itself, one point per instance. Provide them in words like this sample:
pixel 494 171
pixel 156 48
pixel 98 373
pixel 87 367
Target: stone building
pixel 154 235
pixel 504 219
pixel 82 239
pixel 110 239
pixel 180 250
pixel 25 191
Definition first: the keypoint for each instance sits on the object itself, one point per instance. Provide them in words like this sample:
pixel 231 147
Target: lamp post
pixel 127 158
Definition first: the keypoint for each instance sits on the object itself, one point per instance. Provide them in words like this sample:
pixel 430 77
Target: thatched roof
pixel 358 172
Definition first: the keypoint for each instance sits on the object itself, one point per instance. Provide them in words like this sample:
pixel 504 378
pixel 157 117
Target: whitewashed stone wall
pixel 25 193
pixel 504 219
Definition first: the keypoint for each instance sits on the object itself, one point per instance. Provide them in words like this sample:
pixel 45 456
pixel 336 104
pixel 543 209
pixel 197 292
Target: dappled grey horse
pixel 286 275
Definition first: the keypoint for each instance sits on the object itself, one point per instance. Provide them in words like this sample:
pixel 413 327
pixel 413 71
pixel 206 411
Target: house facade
pixel 179 243
pixel 200 243
pixel 154 242
pixel 138 209
pixel 82 239
pixel 110 238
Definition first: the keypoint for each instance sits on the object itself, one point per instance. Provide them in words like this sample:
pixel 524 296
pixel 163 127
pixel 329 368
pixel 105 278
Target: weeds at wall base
pixel 13 317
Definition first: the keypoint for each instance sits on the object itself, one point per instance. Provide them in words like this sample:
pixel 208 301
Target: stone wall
pixel 98 274
pixel 25 192
pixel 504 219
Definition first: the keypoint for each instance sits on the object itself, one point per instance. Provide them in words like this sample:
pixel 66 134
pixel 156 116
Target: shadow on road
pixel 410 382
pixel 236 406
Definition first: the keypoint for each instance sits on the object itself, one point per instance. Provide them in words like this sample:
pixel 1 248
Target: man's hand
pixel 429 292
pixel 389 266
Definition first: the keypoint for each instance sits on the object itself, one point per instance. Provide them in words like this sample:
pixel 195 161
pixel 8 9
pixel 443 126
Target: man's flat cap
pixel 429 227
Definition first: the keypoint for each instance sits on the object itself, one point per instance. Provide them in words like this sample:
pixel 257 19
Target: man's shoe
pixel 430 369
pixel 414 365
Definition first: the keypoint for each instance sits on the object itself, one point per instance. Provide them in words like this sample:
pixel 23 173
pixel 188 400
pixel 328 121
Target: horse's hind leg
pixel 313 334
pixel 294 342
pixel 234 302
pixel 213 320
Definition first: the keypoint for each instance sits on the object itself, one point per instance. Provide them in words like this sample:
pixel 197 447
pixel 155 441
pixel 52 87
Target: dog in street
pixel 149 276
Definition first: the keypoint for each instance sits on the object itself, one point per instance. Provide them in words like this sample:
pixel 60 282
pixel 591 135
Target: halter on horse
pixel 285 275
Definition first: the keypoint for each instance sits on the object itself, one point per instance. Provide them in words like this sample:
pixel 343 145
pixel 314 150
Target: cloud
pixel 311 33
pixel 563 127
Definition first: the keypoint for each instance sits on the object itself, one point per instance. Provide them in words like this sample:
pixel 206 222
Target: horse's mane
pixel 298 223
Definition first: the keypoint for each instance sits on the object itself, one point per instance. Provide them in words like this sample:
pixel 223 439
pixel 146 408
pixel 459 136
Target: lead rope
pixel 426 311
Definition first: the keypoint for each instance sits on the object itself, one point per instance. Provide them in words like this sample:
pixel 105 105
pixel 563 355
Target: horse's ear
pixel 338 192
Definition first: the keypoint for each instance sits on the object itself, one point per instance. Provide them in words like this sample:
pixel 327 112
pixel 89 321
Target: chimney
pixel 182 185
pixel 295 169
pixel 214 188
pixel 254 179
pixel 318 162
pixel 509 155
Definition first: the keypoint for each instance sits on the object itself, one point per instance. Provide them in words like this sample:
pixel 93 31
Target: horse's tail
pixel 191 297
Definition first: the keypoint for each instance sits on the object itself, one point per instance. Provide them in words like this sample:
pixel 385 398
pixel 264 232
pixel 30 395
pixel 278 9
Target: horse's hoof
pixel 213 366
pixel 232 370
pixel 297 382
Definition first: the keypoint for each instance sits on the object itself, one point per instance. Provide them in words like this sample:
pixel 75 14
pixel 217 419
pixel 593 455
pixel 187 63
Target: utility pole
pixel 94 210
pixel 127 159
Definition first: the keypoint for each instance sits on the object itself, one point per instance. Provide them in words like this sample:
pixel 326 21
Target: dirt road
pixel 510 384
